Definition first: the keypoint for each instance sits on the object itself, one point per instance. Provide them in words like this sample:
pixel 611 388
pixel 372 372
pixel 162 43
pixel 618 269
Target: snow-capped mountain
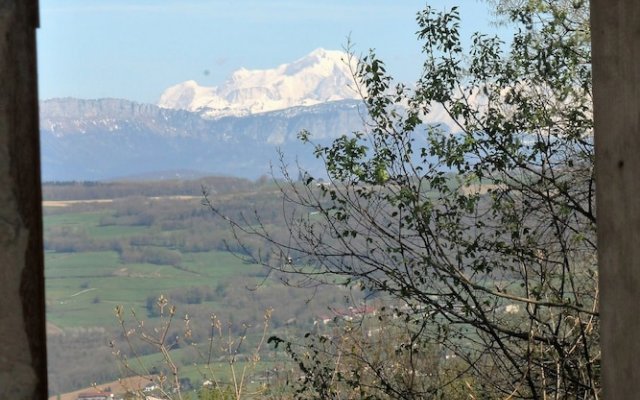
pixel 235 129
pixel 319 77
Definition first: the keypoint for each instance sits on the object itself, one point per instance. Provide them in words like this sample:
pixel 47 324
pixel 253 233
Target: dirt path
pixel 82 291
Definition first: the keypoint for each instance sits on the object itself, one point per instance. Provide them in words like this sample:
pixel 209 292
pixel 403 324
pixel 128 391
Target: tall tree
pixel 481 229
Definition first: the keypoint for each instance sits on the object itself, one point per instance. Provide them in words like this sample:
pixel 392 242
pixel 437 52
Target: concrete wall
pixel 616 67
pixel 22 327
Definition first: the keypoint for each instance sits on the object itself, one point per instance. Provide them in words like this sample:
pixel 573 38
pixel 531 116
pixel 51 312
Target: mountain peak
pixel 321 76
pixel 336 55
pixel 319 52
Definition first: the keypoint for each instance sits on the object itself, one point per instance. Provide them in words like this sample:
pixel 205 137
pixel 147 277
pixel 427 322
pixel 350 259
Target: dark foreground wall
pixel 616 67
pixel 22 334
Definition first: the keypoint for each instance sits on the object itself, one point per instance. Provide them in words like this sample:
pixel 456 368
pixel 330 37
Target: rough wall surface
pixel 22 333
pixel 616 73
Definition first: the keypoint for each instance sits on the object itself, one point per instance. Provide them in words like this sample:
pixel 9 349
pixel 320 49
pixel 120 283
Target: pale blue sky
pixel 134 49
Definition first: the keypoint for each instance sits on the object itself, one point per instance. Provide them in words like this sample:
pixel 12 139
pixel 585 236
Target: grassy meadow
pixel 123 245
pixel 127 251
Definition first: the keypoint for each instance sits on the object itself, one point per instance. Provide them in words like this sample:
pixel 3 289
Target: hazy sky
pixel 134 49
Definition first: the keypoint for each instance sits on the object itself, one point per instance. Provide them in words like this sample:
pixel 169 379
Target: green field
pixel 99 256
pixel 83 288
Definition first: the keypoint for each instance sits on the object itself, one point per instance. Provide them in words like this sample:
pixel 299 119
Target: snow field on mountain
pixel 319 77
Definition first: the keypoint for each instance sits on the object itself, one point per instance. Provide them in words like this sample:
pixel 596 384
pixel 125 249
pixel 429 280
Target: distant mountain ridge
pixel 107 138
pixel 235 129
pixel 319 77
pixel 69 116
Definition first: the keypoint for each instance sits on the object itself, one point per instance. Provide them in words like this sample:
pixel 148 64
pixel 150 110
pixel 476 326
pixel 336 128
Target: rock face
pixel 110 138
pixel 321 76
pixel 69 117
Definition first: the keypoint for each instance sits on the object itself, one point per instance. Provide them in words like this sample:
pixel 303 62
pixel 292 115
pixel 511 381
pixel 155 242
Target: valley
pixel 106 247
